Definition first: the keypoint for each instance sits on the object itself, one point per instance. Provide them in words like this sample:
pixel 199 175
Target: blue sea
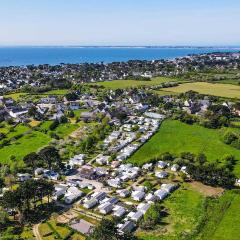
pixel 19 56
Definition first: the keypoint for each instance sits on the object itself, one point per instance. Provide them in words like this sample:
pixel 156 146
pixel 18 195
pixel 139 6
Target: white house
pixel 138 195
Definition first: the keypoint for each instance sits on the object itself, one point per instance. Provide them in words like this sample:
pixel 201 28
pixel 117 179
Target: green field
pixel 56 92
pixel 193 216
pixel 185 209
pixel 122 84
pixel 217 89
pixel 221 220
pixel 28 143
pixel 228 227
pixel 65 129
pixel 176 137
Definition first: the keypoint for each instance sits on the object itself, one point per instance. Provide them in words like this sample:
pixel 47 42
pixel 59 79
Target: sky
pixel 120 22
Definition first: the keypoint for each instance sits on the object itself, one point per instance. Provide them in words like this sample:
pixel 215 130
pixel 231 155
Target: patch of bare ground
pixel 207 191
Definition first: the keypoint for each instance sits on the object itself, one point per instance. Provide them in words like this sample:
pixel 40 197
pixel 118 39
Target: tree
pixel 31 160
pixel 2 184
pixel 50 155
pixel 107 230
pixel 152 217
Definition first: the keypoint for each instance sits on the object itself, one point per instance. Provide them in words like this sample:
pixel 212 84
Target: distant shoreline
pixel 109 46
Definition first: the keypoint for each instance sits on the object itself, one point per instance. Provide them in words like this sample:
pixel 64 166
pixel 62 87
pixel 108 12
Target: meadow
pixel 215 89
pixel 194 216
pixel 28 143
pixel 176 137
pixel 185 208
pixel 122 84
pixel 221 218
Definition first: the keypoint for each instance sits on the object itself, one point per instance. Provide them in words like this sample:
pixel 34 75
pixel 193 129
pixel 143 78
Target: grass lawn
pixel 224 220
pixel 185 208
pixel 56 92
pixel 28 143
pixel 15 96
pixel 65 129
pixel 218 89
pixel 164 93
pixel 134 83
pixel 176 137
pixel 19 129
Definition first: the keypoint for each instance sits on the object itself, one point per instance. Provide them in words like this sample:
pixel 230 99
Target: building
pixel 105 208
pixel 137 216
pixel 138 195
pixel 123 193
pixel 90 203
pixel 127 227
pixel 87 172
pixel 161 174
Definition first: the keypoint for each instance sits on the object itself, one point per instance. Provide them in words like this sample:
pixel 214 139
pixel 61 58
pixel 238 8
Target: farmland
pixel 176 137
pixel 217 89
pixel 122 84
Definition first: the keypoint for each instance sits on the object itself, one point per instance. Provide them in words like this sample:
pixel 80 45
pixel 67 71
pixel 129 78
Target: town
pixel 77 149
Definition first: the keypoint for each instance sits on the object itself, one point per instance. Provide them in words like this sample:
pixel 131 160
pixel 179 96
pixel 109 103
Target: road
pixel 36 232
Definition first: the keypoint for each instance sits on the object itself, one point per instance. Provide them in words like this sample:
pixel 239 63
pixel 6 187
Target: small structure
pixel 137 216
pixel 123 193
pixel 175 167
pixel 91 203
pixel 127 227
pixel 83 227
pixel 161 174
pixel 87 172
pixel 138 195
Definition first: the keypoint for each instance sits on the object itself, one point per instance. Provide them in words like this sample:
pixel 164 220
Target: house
pixel 74 105
pixel 161 164
pixel 143 207
pixel 147 166
pixel 17 112
pixel 115 164
pixel 106 208
pixel 119 211
pixel 123 193
pixel 72 194
pixel 137 216
pixel 115 182
pixel 127 227
pixel 99 196
pixel 77 160
pixel 161 174
pixel 175 167
pixel 169 187
pixel 88 116
pixel 90 203
pixel 50 175
pixel 161 194
pixel 38 171
pixel 87 172
pixel 59 190
pixel 150 197
pixel 22 177
pixel 102 160
pixel 138 195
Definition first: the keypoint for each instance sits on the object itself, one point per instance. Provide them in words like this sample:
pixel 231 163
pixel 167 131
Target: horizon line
pixel 127 46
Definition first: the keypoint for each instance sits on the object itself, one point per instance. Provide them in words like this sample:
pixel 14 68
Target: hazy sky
pixel 119 22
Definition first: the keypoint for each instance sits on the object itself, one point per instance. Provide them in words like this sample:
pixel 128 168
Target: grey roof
pixel 127 227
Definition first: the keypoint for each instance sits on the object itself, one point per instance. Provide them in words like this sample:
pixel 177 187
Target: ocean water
pixel 19 56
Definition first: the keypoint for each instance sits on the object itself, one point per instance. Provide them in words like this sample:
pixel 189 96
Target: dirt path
pixel 36 232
